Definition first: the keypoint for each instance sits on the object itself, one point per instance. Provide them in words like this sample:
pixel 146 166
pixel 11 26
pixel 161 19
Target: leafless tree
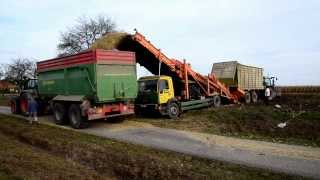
pixel 1 72
pixel 84 33
pixel 19 70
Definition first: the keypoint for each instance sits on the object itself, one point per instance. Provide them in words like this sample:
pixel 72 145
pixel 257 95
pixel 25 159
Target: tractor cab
pixel 30 84
pixel 269 81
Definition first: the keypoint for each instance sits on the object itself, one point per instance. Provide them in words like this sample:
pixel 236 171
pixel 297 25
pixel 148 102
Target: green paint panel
pixel 102 82
pixel 116 82
pixel 67 81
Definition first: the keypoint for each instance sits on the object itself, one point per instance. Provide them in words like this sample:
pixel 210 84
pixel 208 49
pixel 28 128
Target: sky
pixel 282 36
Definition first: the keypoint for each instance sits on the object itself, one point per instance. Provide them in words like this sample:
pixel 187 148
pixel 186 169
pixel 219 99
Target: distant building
pixel 6 86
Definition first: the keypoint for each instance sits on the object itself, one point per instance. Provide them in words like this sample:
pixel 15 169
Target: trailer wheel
pixel 77 121
pixel 59 112
pixel 173 110
pixel 216 101
pixel 247 98
pixel 254 97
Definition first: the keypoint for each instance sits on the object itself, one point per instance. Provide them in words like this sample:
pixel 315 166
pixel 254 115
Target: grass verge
pixel 4 100
pixel 117 159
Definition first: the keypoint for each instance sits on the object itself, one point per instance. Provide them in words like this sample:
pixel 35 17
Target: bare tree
pixel 1 72
pixel 19 70
pixel 84 33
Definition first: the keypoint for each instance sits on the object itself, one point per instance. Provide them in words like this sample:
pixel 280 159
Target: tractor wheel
pixel 247 98
pixel 14 106
pixel 173 110
pixel 77 121
pixel 60 114
pixel 254 97
pixel 216 101
pixel 23 104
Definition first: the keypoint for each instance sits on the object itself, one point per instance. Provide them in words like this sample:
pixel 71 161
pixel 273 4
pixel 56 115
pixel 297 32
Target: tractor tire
pixel 77 121
pixel 216 101
pixel 254 97
pixel 23 104
pixel 14 106
pixel 60 113
pixel 173 110
pixel 247 98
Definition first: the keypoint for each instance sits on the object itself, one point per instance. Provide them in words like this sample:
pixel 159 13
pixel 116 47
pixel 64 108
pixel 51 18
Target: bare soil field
pixel 45 152
pixel 259 121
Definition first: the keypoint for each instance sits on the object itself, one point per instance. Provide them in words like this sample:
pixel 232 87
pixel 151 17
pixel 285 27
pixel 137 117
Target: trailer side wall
pixel 105 76
pixel 235 74
pixel 249 78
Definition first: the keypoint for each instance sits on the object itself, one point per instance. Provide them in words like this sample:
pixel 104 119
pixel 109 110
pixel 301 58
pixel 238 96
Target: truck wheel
pixel 216 101
pixel 254 97
pixel 247 98
pixel 77 121
pixel 59 112
pixel 173 110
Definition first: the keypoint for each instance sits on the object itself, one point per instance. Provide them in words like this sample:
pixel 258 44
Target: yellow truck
pixel 157 94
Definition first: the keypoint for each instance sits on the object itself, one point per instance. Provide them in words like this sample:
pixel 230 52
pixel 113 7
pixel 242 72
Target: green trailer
pixel 94 84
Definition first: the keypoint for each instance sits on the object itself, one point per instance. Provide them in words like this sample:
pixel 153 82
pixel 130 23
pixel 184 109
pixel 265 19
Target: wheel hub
pixel 173 110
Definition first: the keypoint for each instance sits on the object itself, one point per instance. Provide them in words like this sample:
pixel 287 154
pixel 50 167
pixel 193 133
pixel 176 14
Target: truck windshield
pixel 148 86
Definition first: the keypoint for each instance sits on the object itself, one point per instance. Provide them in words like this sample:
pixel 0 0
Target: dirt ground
pixel 46 152
pixel 258 121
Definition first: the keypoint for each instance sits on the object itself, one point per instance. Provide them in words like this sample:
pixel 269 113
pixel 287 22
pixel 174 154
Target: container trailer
pixel 248 78
pixel 94 84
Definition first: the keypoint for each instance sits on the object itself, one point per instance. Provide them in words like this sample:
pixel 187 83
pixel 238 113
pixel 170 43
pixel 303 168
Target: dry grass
pixel 24 160
pixel 110 41
pixel 107 157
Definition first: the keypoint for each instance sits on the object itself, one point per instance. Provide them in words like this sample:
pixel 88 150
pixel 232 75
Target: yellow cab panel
pixel 165 89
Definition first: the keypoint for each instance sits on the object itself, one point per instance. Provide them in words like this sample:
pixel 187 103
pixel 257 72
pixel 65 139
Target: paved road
pixel 296 160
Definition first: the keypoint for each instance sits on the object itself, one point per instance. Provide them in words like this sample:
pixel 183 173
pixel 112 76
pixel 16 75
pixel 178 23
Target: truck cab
pixel 156 93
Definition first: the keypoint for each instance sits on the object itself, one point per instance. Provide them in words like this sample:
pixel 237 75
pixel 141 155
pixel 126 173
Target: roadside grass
pixel 258 122
pixel 4 100
pixel 6 175
pixel 107 157
pixel 28 162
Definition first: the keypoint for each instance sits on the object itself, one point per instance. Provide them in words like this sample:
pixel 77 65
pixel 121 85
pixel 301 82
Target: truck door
pixel 164 92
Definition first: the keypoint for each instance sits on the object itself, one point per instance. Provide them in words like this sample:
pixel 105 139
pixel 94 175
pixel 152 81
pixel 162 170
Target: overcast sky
pixel 282 36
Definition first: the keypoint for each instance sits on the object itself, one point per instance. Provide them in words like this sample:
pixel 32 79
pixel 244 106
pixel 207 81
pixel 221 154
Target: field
pixel 259 121
pixel 46 152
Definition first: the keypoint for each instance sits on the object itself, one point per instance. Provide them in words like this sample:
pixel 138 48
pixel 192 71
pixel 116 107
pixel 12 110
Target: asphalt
pixel 289 159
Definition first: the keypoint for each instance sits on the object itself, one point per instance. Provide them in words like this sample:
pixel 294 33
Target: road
pixel 290 159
